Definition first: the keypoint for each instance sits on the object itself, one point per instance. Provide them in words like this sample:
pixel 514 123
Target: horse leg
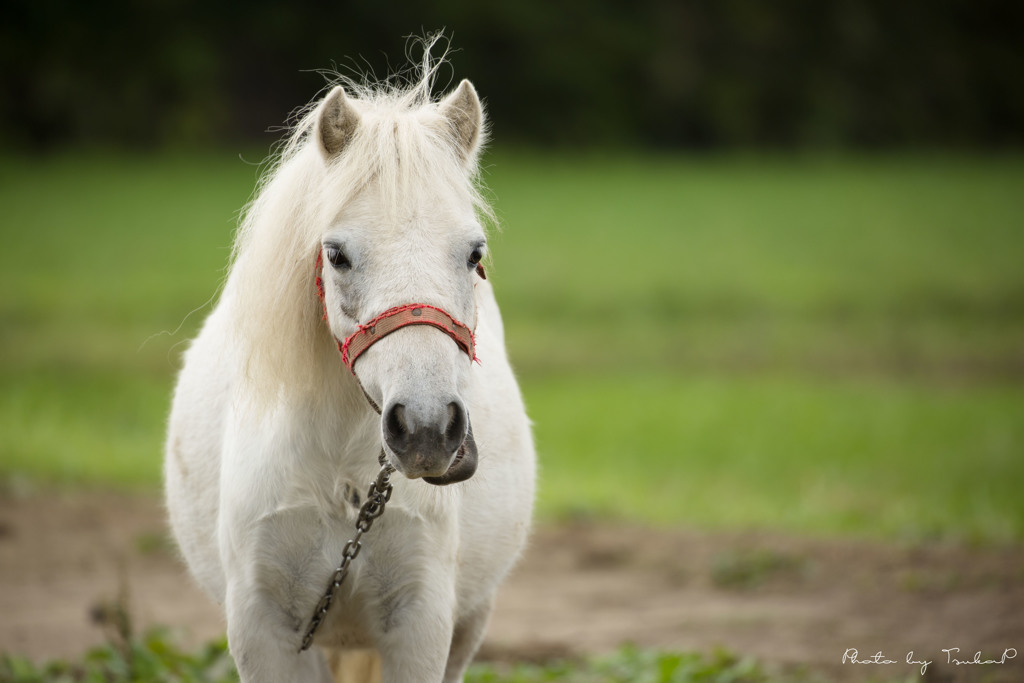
pixel 415 631
pixel 355 666
pixel 466 639
pixel 417 653
pixel 264 653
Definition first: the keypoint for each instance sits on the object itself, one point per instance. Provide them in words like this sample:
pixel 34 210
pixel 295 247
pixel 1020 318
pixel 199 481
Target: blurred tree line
pixel 667 73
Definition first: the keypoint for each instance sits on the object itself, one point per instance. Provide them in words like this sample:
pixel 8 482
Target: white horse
pixel 273 439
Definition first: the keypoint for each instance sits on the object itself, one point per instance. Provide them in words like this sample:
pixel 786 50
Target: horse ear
pixel 465 118
pixel 337 122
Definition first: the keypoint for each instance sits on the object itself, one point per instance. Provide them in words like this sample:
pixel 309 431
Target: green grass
pixel 823 345
pixel 104 258
pixel 155 658
pixel 689 263
pixel 857 456
pixel 632 665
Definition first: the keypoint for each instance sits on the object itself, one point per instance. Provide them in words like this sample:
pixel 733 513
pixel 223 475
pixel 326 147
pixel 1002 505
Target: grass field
pixel 823 345
pixel 155 658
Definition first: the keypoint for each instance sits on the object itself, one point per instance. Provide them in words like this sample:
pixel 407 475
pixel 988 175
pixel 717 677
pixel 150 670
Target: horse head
pixel 406 241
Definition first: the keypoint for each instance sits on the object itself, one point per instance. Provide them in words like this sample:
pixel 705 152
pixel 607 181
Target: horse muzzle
pixel 439 449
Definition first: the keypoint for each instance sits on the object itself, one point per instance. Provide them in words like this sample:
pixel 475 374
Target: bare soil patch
pixel 581 589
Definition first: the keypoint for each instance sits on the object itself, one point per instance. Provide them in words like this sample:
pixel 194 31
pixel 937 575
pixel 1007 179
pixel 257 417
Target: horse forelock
pixel 403 150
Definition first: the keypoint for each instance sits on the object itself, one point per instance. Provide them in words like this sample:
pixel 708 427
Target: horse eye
pixel 337 258
pixel 475 257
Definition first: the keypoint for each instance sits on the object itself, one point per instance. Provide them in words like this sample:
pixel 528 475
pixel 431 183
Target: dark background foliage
pixel 665 73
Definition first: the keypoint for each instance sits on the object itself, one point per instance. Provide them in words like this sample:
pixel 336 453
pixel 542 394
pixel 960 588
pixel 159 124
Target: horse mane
pixel 404 149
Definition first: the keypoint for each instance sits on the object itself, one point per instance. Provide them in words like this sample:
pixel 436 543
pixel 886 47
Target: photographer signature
pixel 853 656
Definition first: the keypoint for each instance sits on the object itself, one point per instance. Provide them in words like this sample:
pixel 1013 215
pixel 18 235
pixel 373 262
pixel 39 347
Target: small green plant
pixel 634 665
pixel 152 659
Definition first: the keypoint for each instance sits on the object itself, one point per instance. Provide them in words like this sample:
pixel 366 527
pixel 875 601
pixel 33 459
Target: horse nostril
pixel 397 430
pixel 455 432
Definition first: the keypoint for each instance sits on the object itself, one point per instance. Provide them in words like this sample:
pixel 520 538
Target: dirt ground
pixel 581 589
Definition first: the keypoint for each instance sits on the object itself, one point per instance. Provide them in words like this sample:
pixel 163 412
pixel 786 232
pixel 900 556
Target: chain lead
pixel 376 498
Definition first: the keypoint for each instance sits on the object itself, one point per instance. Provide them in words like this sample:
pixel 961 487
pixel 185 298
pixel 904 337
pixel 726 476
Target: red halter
pixel 394 319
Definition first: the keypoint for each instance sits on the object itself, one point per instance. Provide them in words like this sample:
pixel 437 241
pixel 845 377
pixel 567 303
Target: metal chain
pixel 376 498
